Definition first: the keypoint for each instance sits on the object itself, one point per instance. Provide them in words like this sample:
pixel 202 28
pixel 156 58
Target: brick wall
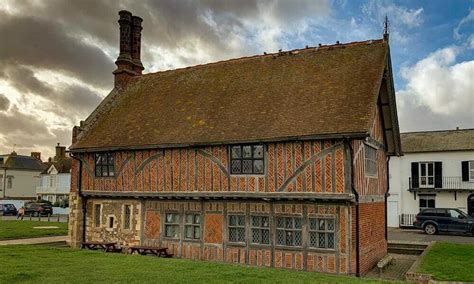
pixel 310 166
pixel 373 245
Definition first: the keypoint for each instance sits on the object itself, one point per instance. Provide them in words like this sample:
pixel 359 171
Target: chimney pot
pixel 128 63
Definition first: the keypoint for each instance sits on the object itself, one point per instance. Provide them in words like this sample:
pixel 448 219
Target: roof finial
pixel 385 28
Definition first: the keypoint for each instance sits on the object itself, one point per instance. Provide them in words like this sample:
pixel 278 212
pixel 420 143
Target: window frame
pixel 426 197
pixel 470 170
pixel 260 228
pixel 109 164
pixel 370 160
pixel 176 224
pixel 325 231
pixel 194 225
pixel 124 218
pixel 97 215
pixel 427 165
pixel 237 227
pixel 285 230
pixel 251 158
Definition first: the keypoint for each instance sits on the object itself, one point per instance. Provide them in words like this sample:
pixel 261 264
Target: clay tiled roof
pixel 325 91
pixel 438 141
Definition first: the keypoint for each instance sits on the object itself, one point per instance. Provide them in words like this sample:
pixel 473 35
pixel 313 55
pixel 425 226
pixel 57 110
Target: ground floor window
pixel 192 226
pixel 427 201
pixel 260 230
pixel 172 225
pixel 97 214
pixel 321 233
pixel 127 212
pixel 237 228
pixel 288 231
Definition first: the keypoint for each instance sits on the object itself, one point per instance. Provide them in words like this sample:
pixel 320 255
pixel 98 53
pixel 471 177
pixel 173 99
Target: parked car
pixel 8 209
pixel 434 220
pixel 38 209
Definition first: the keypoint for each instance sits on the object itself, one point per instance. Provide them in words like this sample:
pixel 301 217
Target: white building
pixel 56 178
pixel 19 176
pixel 437 170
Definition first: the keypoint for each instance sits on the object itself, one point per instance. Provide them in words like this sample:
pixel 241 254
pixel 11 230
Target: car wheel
pixel 431 229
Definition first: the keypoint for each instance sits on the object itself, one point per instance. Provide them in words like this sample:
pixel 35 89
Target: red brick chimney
pixel 128 63
pixel 136 44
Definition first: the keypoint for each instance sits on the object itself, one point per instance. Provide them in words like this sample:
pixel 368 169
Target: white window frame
pixel 471 170
pixel 427 176
pixel 426 197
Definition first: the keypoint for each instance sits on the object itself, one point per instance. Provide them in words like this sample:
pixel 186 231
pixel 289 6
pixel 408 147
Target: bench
pixel 143 250
pixel 106 246
pixel 384 262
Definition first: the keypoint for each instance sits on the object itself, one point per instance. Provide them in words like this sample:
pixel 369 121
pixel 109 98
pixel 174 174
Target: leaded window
pixel 127 212
pixel 260 230
pixel 97 214
pixel 370 161
pixel 247 159
pixel 172 225
pixel 237 228
pixel 321 233
pixel 104 164
pixel 288 231
pixel 192 226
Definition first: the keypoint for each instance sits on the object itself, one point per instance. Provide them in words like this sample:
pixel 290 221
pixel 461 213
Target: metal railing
pixel 406 220
pixel 448 183
pixel 52 190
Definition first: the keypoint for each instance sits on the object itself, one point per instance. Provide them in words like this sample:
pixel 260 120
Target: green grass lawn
pixel 16 229
pixel 43 264
pixel 449 262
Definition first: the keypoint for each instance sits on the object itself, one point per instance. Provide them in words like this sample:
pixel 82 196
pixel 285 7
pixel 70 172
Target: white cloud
pixel 398 15
pixel 440 88
pixel 464 21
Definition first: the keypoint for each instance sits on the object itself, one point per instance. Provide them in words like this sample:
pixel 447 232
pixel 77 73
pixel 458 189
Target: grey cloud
pixel 4 102
pixel 42 44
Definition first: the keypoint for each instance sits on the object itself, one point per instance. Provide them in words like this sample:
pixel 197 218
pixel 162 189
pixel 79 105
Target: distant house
pixel 437 170
pixel 56 177
pixel 19 176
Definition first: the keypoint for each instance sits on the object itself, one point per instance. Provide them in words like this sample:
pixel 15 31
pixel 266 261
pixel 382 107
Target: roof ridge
pixel 433 131
pixel 279 53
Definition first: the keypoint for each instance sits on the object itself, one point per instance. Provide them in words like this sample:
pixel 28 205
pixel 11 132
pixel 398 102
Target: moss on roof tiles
pixel 438 141
pixel 314 91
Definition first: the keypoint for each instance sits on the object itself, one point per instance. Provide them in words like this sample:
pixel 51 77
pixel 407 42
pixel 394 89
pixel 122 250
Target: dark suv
pixel 434 220
pixel 8 209
pixel 37 209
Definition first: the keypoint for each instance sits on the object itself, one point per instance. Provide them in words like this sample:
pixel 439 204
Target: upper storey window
pixel 247 159
pixel 104 164
pixel 370 161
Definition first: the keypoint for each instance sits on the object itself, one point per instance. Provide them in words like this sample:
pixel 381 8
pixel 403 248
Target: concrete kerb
pixel 413 276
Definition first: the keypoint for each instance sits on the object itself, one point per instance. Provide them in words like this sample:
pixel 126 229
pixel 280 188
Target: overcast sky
pixel 57 56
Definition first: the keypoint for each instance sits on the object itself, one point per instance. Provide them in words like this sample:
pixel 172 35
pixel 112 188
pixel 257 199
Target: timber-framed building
pixel 277 160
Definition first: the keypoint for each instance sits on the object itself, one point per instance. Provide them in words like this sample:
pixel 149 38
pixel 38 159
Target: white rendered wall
pixel 400 172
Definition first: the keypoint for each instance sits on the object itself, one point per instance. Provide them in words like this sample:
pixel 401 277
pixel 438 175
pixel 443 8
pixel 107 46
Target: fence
pixel 49 218
pixel 406 220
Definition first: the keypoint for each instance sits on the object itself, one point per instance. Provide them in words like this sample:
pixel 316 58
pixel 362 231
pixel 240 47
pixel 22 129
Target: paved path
pixel 396 234
pixel 34 241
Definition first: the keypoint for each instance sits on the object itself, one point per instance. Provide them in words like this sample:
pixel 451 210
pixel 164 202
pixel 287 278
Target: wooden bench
pixel 143 250
pixel 106 246
pixel 384 262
